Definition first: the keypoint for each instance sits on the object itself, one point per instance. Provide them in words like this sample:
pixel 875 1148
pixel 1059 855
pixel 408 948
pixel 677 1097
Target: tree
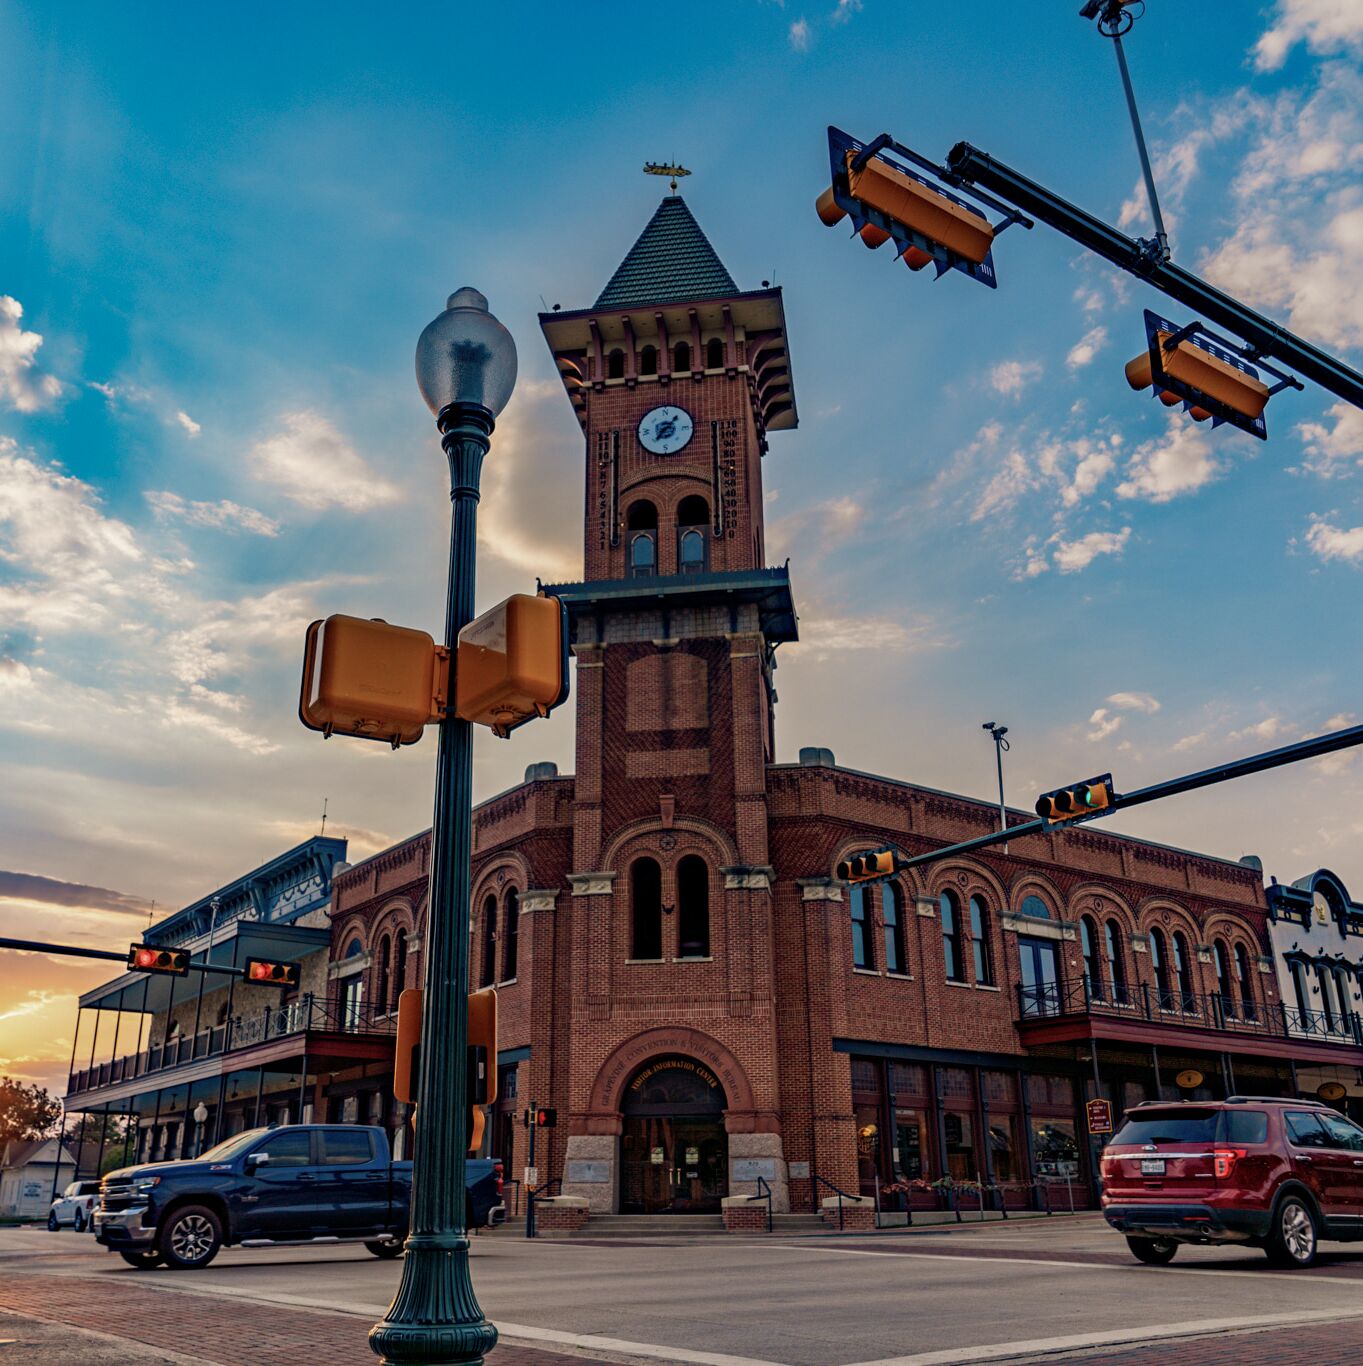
pixel 26 1111
pixel 85 1134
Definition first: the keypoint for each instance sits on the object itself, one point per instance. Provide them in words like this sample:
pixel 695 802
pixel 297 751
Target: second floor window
pixel 892 912
pixel 646 909
pixel 385 969
pixel 1159 960
pixel 693 908
pixel 1245 982
pixel 642 539
pixel 513 933
pixel 1223 978
pixel 979 942
pixel 1116 962
pixel 863 915
pixel 1093 971
pixel 489 973
pixel 950 910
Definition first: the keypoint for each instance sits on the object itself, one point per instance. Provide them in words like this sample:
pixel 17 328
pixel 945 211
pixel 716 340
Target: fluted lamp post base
pixel 435 1319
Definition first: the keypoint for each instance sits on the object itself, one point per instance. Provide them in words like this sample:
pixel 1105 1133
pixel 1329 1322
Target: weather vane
pixel 659 168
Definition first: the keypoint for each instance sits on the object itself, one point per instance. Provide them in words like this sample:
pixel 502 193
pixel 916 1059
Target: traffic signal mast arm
pixel 1314 748
pixel 969 167
pixel 71 951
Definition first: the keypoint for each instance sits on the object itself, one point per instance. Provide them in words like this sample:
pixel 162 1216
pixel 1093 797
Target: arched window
pixel 1116 962
pixel 642 525
pixel 615 364
pixel 1302 988
pixel 489 973
pixel 862 898
pixel 385 972
pixel 1327 1006
pixel 892 913
pixel 693 908
pixel 646 909
pixel 648 361
pixel 1224 989
pixel 979 942
pixel 693 518
pixel 1159 960
pixel 399 966
pixel 714 354
pixel 1183 968
pixel 1035 907
pixel 1093 968
pixel 1246 982
pixel 681 356
pixel 691 552
pixel 512 912
pixel 950 911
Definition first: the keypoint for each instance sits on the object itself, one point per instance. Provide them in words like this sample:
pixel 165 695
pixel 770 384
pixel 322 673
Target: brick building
pixel 680 974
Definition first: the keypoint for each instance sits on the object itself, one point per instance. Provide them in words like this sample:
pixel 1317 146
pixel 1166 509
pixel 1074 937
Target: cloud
pixel 1179 462
pixel 1330 451
pixel 1104 723
pixel 1093 461
pixel 1012 480
pixel 125 395
pixel 1189 741
pixel 1325 26
pixel 1010 377
pixel 799 35
pixel 844 11
pixel 1266 729
pixel 309 461
pixel 22 387
pixel 829 634
pixel 1073 556
pixel 1135 701
pixel 223 515
pixel 1088 346
pixel 1105 720
pixel 1329 542
pixel 34 887
pixel 187 422
pixel 816 529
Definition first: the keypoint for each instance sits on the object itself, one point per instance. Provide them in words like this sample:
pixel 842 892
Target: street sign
pixel 532 1178
pixel 1099 1116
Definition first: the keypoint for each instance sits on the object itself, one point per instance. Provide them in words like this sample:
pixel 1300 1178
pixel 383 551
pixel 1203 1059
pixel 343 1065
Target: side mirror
pixel 257 1160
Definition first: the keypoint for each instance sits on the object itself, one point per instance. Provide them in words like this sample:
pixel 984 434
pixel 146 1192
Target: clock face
pixel 666 430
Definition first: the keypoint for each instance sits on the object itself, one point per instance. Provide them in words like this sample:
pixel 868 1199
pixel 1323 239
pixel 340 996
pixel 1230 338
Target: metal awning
pixel 233 943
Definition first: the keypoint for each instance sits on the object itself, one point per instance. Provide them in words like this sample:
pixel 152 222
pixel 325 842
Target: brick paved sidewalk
pixel 225 1332
pixel 1326 1344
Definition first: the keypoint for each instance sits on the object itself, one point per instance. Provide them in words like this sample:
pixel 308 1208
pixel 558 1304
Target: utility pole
pixel 1000 744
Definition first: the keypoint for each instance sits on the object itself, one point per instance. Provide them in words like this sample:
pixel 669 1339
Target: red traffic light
pixel 150 958
pixel 864 867
pixel 267 972
pixel 542 1117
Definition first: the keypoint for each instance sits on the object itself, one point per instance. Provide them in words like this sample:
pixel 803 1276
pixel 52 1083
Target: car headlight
pixel 145 1183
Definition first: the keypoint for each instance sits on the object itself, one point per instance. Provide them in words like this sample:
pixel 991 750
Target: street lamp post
pixel 1000 744
pixel 200 1119
pixel 466 370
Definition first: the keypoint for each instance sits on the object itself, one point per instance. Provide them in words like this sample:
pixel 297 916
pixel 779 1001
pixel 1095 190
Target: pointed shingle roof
pixel 672 261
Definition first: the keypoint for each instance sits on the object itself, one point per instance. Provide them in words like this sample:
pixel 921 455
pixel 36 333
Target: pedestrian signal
pixel 269 973
pixel 541 1117
pixel 1076 801
pixel 1206 373
pixel 864 867
pixel 512 664
pixel 150 958
pixel 407 1059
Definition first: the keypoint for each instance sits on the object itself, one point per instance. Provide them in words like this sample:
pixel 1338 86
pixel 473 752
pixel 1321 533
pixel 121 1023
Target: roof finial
pixel 662 168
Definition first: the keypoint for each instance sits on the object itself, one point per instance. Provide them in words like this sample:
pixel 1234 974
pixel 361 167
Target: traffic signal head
pixel 864 867
pixel 513 663
pixel 370 680
pixel 482 1071
pixel 268 972
pixel 150 958
pixel 1076 801
pixel 542 1117
pixel 407 1059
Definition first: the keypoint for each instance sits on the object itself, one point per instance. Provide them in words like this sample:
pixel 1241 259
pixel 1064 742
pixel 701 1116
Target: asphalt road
pixel 916 1298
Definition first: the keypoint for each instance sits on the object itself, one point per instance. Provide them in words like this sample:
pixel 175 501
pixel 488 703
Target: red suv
pixel 1276 1174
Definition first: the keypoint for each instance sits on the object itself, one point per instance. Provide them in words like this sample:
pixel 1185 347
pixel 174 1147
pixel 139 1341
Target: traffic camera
pixel 1077 801
pixel 166 962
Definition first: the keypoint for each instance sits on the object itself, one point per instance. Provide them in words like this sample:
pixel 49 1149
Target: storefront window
pixel 1056 1148
pixel 909 1151
pixel 868 1145
pixel 962 1163
pixel 1003 1148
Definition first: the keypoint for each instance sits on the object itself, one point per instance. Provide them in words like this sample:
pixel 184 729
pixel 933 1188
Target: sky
pixel 222 229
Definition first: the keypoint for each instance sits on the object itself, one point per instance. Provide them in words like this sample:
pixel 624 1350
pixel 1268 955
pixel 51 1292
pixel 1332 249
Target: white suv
pixel 74 1206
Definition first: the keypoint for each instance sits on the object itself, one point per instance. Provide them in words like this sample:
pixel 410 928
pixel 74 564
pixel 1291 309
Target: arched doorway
pixel 673 1149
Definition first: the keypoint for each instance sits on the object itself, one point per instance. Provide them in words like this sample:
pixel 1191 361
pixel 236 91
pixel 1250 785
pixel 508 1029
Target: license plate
pixel 1152 1166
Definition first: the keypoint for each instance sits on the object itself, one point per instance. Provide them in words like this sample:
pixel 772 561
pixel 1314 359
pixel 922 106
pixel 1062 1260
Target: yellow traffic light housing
pixel 482 1073
pixel 512 663
pixel 1077 801
pixel 153 958
pixel 268 972
pixel 370 680
pixel 865 867
pixel 407 1059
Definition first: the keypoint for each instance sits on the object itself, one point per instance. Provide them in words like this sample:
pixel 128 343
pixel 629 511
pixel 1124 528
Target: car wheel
pixel 1293 1240
pixel 385 1252
pixel 142 1261
pixel 191 1238
pixel 52 1224
pixel 1153 1251
pixel 78 1223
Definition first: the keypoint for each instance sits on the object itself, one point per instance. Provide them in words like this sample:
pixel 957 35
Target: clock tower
pixel 677 379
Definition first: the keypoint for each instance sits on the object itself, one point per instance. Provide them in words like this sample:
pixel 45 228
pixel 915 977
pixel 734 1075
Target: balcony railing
pixel 1049 1000
pixel 273 1022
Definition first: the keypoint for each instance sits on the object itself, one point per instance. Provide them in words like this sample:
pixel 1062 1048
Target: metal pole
pixel 1161 237
pixel 530 1162
pixel 260 1092
pixel 302 1081
pixel 435 1316
pixel 1159 1083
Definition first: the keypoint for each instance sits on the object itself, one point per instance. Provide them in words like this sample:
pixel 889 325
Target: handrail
pixel 763 1187
pixel 816 1181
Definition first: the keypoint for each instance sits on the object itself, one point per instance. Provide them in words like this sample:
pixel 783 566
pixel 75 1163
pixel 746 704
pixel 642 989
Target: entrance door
pixel 1040 977
pixel 673 1150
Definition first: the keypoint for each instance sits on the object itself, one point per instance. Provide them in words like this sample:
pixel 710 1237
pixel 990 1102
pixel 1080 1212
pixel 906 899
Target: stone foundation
pixel 742 1215
pixel 592 1155
pixel 560 1214
pixel 858 1212
pixel 751 1154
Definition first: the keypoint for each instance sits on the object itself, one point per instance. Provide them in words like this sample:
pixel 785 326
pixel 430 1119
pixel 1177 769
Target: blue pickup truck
pixel 297 1184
